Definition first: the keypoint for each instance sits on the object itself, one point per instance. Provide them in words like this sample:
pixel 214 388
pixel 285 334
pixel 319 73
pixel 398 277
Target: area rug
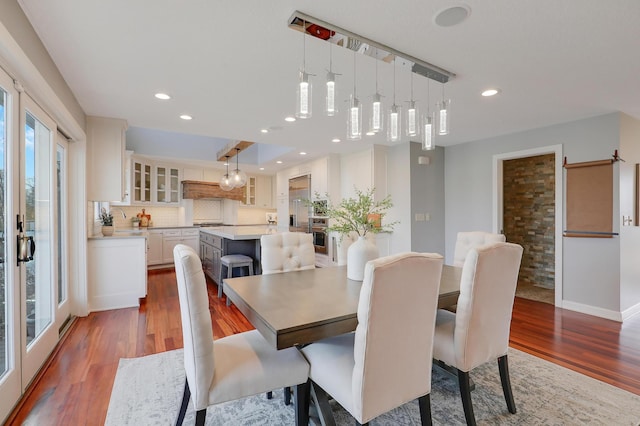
pixel 148 390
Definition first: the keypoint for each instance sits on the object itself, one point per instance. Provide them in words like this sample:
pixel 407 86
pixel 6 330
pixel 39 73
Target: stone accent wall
pixel 529 215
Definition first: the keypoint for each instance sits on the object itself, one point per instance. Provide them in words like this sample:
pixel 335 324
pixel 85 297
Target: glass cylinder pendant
pixel 444 117
pixel 393 131
pixel 330 100
pixel 375 120
pixel 413 120
pixel 428 133
pixel 303 98
pixel 354 119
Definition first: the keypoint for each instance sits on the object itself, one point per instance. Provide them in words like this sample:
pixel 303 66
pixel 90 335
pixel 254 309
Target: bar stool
pixel 231 261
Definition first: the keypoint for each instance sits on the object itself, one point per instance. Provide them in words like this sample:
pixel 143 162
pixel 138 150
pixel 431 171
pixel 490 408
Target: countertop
pixel 241 232
pixel 122 233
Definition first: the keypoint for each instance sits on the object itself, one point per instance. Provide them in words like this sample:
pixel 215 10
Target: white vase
pixel 358 254
pixel 107 231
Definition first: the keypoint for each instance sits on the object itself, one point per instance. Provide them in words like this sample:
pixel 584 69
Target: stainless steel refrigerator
pixel 299 209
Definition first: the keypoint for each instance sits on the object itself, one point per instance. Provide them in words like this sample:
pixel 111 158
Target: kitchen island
pixel 219 241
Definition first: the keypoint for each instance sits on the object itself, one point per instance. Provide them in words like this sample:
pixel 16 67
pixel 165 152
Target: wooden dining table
pixel 300 307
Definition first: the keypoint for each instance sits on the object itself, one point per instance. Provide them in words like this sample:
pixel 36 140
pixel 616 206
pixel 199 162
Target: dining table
pixel 301 307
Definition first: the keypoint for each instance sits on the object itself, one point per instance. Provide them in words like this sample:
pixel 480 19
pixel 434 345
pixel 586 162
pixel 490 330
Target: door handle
pixel 26 248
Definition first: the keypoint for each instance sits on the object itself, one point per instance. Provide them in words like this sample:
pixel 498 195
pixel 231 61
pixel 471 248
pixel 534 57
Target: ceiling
pixel 233 66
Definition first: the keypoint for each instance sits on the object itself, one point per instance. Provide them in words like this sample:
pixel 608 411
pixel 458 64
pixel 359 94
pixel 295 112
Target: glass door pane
pixel 37 181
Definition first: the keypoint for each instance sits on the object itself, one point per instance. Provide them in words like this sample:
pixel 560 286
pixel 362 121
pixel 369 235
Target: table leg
pixel 450 371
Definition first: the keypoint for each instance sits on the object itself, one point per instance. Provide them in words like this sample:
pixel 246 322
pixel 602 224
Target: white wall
pixel 398 183
pixel 591 273
pixel 629 235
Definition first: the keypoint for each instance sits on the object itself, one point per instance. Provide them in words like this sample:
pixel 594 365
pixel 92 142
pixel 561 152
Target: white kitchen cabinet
pixel 141 181
pixel 264 191
pixel 167 184
pixel 154 255
pixel 117 273
pixel 319 174
pixel 173 237
pixel 282 184
pixel 259 191
pixel 106 159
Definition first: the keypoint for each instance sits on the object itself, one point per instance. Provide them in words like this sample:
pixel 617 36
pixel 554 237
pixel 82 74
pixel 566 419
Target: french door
pixel 31 163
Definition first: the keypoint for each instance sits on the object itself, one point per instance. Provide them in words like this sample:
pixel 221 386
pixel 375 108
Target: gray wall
pixel 591 273
pixel 427 197
pixel 15 21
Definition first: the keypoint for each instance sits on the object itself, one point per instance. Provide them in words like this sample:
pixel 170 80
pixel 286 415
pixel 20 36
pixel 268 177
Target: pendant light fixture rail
pixel 326 31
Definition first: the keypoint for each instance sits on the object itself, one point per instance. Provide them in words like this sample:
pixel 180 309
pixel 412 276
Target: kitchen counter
pixel 241 232
pixel 117 234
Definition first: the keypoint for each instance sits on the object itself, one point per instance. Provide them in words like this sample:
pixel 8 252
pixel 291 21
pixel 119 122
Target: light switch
pixel 427 217
pixel 419 217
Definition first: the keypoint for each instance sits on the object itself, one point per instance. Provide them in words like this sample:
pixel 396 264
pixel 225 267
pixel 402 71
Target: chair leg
pixel 186 395
pixel 229 275
pixel 220 282
pixel 503 366
pixel 287 395
pixel 465 393
pixel 201 416
pixel 269 395
pixel 322 405
pixel 424 402
pixel 302 395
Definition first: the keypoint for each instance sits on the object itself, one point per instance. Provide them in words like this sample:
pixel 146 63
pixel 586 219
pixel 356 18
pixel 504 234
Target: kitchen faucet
pixel 124 216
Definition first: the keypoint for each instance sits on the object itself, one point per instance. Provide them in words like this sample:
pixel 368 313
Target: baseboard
pixel 592 310
pixel 628 313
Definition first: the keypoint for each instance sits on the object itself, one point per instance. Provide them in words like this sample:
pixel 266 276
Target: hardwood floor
pixel 75 386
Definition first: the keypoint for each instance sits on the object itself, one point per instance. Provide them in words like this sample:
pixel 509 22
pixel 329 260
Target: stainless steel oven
pixel 319 233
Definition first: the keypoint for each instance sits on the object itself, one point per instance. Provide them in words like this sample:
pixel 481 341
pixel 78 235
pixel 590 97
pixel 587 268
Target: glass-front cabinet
pixel 141 182
pixel 167 184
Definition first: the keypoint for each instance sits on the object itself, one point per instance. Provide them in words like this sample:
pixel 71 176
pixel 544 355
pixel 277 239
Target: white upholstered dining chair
pixel 479 330
pixel 465 241
pixel 386 362
pixel 235 366
pixel 287 251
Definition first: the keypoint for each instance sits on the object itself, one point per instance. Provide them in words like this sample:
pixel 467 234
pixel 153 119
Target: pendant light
pixel 428 120
pixel 330 107
pixel 444 115
pixel 238 177
pixel 354 117
pixel 303 98
pixel 412 126
pixel 375 119
pixel 225 180
pixel 393 131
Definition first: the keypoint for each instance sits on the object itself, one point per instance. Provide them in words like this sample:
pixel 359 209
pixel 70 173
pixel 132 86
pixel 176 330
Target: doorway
pixel 528 210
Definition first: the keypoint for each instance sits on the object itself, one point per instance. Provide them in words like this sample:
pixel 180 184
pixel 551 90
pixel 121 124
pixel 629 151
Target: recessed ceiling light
pixel 290 119
pixel 490 92
pixel 452 15
pixel 264 130
pixel 162 96
pixel 261 168
pixel 335 140
pixel 370 133
pixel 303 153
pixel 186 117
pixel 279 162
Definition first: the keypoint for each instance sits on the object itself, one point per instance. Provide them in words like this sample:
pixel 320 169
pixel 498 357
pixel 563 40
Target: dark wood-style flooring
pixel 75 386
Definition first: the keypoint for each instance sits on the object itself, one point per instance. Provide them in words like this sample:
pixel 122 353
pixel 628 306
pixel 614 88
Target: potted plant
pixel 359 216
pixel 106 218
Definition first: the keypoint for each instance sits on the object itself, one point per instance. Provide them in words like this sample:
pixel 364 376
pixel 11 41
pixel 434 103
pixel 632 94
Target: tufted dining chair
pixel 287 251
pixel 479 330
pixel 235 366
pixel 379 368
pixel 465 241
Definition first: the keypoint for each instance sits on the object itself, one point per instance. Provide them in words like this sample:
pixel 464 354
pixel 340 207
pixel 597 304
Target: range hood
pixel 197 190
